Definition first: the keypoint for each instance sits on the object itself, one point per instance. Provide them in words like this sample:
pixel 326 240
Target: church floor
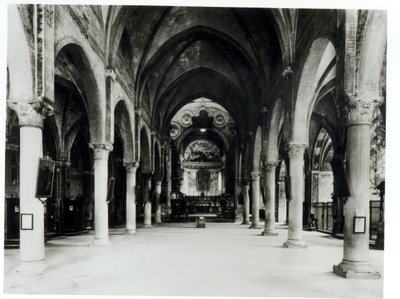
pixel 224 259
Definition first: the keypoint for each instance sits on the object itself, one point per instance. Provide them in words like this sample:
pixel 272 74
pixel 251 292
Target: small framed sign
pixel 26 221
pixel 359 224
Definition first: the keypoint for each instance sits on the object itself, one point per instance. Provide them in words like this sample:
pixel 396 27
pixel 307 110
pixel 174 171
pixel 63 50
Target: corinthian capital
pixel 296 150
pixel 101 150
pixel 360 111
pixel 31 114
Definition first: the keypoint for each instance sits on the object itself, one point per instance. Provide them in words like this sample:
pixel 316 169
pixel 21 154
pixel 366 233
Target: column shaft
pixel 147 204
pixel 100 205
pixel 282 203
pixel 131 199
pixel 296 175
pixel 157 194
pixel 246 203
pixel 269 229
pixel 101 152
pixel 255 194
pixel 31 241
pixel 356 246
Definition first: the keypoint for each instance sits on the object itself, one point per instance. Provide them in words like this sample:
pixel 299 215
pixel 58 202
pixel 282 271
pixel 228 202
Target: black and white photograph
pixel 199 149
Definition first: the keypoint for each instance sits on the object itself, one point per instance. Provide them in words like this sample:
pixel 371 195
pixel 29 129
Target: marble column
pixel 355 263
pixel 282 203
pixel 169 189
pixel 157 194
pixel 147 204
pixel 269 228
pixel 238 192
pixel 131 168
pixel 101 152
pixel 255 196
pixel 31 250
pixel 296 176
pixel 246 201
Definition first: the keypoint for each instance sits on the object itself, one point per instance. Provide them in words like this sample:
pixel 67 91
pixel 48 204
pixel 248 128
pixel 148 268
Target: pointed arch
pixel 122 120
pixel 318 69
pixel 87 83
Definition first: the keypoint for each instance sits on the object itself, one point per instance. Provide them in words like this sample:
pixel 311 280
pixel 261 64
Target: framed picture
pixel 359 224
pixel 45 179
pixel 26 221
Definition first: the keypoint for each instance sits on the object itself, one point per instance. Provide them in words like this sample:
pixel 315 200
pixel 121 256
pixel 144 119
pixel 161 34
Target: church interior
pixel 237 135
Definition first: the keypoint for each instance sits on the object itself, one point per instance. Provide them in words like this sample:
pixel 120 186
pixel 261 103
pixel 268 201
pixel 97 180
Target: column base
pixel 290 243
pixel 33 268
pixel 361 270
pixel 101 242
pixel 148 226
pixel 269 233
pixel 245 222
pixel 158 222
pixel 255 226
pixel 130 232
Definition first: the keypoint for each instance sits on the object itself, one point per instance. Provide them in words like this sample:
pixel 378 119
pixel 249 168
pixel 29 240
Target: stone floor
pixel 224 259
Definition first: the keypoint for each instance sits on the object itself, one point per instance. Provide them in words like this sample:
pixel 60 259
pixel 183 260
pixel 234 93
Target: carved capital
pixel 270 165
pixel 131 167
pixel 109 72
pixel 255 176
pixel 101 150
pixel 296 150
pixel 360 111
pixel 31 114
pixel 287 71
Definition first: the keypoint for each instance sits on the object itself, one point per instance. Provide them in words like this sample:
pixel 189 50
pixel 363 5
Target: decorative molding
pixel 296 150
pixel 202 165
pixel 101 150
pixel 360 111
pixel 31 114
pixel 49 15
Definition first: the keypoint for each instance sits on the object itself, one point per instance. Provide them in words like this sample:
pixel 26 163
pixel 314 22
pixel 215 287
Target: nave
pixel 177 259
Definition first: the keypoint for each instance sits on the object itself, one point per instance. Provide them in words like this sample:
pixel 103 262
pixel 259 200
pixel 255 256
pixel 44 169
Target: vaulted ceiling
pixel 178 54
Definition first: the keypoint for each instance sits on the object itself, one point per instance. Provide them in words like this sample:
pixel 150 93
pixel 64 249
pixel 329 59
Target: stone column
pixel 282 202
pixel 246 201
pixel 238 192
pixel 131 168
pixel 147 204
pixel 296 176
pixel 101 152
pixel 157 194
pixel 31 250
pixel 355 263
pixel 169 190
pixel 255 196
pixel 269 228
